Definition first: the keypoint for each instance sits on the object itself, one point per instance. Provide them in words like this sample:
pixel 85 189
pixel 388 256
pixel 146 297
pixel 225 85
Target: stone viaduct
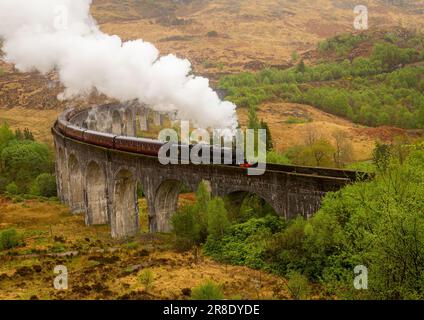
pixel 102 182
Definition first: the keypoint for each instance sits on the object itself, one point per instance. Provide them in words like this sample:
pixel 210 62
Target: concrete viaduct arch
pixel 102 182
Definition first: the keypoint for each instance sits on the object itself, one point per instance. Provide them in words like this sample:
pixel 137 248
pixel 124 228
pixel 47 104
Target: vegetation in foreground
pixel 378 224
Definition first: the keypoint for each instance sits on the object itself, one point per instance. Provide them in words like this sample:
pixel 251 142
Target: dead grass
pixel 102 268
pixel 38 121
pixel 248 30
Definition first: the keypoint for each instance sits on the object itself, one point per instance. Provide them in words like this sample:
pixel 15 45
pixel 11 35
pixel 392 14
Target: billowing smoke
pixel 61 35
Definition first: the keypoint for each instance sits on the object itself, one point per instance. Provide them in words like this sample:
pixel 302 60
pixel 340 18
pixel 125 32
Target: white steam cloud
pixel 61 35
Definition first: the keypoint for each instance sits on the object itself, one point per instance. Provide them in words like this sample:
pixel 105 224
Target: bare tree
pixel 312 135
pixel 344 149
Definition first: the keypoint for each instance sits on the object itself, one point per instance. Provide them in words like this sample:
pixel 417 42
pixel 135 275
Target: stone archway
pixel 76 186
pixel 124 217
pixel 97 211
pixel 165 204
pixel 239 202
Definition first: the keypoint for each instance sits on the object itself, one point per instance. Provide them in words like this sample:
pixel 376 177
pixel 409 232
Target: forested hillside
pixel 374 78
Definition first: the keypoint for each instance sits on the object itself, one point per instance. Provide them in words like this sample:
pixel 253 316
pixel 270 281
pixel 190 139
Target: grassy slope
pixel 106 269
pixel 249 31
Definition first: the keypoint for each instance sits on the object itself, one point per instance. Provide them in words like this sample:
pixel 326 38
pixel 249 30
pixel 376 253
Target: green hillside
pixel 370 78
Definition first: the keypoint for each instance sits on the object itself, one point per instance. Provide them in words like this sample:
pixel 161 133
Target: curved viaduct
pixel 102 182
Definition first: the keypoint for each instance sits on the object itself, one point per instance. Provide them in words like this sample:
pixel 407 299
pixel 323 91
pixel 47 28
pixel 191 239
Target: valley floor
pixel 101 268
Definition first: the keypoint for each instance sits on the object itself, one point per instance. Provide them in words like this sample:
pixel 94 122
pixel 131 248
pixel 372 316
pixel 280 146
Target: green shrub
pixel 147 278
pixel 23 161
pixel 190 222
pixel 187 227
pixel 245 243
pixel 6 136
pixel 12 189
pixel 277 158
pixel 318 154
pixel 44 185
pixel 3 185
pixel 9 239
pixel 298 286
pixel 207 291
pixel 218 223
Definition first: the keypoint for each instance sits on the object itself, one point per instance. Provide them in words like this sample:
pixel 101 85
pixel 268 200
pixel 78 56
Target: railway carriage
pixel 74 132
pixel 99 138
pixel 138 145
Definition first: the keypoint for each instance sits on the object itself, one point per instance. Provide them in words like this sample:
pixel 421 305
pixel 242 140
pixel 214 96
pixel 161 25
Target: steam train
pixel 145 146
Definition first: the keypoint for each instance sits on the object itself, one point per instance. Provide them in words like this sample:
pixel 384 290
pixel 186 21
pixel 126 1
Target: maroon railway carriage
pixel 99 138
pixel 138 145
pixel 74 132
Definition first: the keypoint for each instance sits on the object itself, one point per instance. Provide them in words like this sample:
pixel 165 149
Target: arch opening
pixel 76 181
pixel 96 195
pixel 244 205
pixel 125 208
pixel 168 196
pixel 143 208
